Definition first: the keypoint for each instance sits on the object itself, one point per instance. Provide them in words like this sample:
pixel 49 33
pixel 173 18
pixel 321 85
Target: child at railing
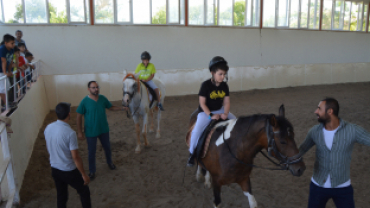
pixel 30 66
pixel 22 65
pixel 6 54
pixel 19 69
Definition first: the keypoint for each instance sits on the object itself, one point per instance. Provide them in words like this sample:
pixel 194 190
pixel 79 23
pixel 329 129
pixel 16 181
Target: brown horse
pixel 230 153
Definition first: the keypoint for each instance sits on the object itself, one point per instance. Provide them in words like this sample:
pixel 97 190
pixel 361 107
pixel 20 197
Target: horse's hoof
pixel 200 177
pixel 151 130
pixel 158 135
pixel 148 145
pixel 137 149
pixel 208 185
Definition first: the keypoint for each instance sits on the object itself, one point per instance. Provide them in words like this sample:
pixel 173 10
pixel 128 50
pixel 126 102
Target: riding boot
pixel 160 106
pixel 191 160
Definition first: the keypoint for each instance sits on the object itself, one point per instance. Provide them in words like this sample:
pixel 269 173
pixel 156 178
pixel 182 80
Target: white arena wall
pixel 268 58
pixel 26 123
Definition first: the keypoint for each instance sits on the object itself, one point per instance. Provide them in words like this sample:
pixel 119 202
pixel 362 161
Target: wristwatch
pixel 210 116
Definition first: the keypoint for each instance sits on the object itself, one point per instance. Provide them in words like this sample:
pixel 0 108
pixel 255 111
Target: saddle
pixel 205 138
pixel 152 92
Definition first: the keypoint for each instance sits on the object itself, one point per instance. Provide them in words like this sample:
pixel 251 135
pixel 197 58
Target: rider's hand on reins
pixel 215 117
pixel 224 116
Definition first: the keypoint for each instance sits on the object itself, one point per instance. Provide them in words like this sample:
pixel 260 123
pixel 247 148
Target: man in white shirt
pixel 66 163
pixel 334 139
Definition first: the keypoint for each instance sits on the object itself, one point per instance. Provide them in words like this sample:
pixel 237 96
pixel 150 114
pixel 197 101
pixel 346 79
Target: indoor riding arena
pixel 291 52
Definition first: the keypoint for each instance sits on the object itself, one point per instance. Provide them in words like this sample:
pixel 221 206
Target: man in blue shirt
pixel 19 35
pixel 66 164
pixel 6 54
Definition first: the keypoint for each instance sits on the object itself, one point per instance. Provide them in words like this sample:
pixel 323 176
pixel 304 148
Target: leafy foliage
pixel 160 16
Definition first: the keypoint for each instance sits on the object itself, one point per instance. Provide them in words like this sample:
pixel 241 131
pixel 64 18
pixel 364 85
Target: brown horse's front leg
pixel 247 189
pixel 216 194
pixel 138 143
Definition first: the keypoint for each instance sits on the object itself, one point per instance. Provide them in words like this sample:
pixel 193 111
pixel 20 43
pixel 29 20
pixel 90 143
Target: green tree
pixel 239 13
pixel 18 15
pixel 160 16
pixel 35 11
pixel 195 15
pixel 56 17
pixel 103 11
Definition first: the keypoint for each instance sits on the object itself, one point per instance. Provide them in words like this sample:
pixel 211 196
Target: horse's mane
pixel 132 76
pixel 283 122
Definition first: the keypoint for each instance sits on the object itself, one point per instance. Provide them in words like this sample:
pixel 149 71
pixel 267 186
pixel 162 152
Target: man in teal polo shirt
pixel 96 125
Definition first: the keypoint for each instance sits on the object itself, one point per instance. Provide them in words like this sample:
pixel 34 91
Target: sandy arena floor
pixel 154 177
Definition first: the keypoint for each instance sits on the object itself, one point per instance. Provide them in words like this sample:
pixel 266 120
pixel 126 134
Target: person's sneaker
pixel 160 106
pixel 191 160
pixel 112 166
pixel 92 176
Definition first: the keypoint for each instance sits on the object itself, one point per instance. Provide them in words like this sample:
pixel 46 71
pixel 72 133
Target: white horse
pixel 136 97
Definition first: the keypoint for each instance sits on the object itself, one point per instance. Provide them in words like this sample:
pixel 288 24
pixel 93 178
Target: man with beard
pixel 92 107
pixel 334 139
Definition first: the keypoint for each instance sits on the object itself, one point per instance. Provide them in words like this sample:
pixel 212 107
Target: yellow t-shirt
pixel 145 73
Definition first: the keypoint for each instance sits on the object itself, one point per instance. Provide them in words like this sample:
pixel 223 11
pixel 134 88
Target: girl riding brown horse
pixel 230 154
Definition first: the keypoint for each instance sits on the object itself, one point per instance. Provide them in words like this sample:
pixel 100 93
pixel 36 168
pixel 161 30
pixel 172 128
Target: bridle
pixel 131 95
pixel 284 160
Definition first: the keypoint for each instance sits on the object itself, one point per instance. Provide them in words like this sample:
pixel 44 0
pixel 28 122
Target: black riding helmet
pixel 216 61
pixel 219 62
pixel 145 55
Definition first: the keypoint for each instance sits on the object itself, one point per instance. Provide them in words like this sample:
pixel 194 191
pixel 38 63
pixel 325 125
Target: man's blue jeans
pixel 342 197
pixel 91 143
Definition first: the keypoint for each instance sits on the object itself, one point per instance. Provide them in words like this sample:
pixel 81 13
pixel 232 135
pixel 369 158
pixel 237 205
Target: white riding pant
pixel 201 124
pixel 151 84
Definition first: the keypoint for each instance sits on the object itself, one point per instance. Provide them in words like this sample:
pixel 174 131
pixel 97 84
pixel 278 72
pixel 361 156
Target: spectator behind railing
pixel 20 76
pixel 19 35
pixel 6 54
pixel 12 80
pixel 30 66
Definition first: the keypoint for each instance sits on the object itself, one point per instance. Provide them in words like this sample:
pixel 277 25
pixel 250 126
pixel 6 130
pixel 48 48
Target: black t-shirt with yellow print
pixel 214 94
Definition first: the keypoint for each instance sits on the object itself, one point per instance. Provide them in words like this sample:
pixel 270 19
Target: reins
pixel 271 141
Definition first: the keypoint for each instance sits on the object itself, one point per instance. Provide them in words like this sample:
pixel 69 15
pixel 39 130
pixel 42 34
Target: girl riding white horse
pixel 136 98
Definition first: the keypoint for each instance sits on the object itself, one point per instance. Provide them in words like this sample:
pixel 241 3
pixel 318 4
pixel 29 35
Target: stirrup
pixel 191 162
pixel 160 107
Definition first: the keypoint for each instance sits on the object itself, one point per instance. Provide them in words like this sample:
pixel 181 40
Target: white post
pixel 6 94
pixel 14 88
pixel 9 171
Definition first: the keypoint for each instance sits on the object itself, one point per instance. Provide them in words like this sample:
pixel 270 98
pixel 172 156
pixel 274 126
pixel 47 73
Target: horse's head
pixel 131 86
pixel 281 143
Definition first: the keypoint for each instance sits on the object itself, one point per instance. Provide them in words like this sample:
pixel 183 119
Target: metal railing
pixel 6 168
pixel 20 86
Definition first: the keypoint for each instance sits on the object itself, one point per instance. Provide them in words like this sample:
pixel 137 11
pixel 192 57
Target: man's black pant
pixel 73 178
pixel 342 197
